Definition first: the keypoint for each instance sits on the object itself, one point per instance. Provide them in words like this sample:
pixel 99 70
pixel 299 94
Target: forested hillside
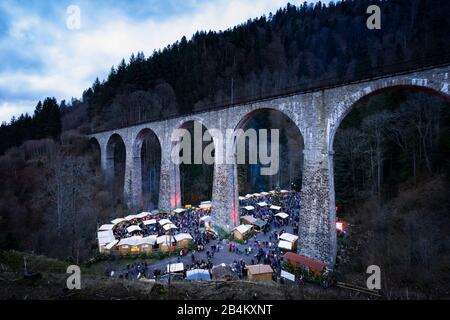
pixel 296 47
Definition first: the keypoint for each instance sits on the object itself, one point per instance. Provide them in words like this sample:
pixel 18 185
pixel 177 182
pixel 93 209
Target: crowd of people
pixel 261 248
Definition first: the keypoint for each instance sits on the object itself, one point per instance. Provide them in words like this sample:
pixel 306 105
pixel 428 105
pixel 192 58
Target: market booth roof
pixel 249 208
pixel 179 210
pixel 110 245
pixel 274 207
pixel 259 268
pixel 169 226
pixel 105 237
pixel 183 236
pixel 133 228
pixel 243 228
pixel 282 215
pixel 165 239
pixel 242 198
pixel 288 237
pixel 248 219
pixel 259 223
pixel 286 245
pixel 148 222
pixel 164 221
pixel 106 227
pixel 304 261
pixel 262 204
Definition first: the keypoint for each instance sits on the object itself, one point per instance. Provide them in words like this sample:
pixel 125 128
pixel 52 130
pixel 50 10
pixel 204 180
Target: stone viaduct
pixel 317 114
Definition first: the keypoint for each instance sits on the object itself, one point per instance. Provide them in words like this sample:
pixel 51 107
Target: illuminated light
pixel 340 226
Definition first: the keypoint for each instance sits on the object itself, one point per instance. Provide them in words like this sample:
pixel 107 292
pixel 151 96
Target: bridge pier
pixel 225 203
pixel 317 225
pixel 169 186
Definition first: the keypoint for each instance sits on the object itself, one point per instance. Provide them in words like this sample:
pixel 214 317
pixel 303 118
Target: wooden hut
pixel 184 240
pixel 165 242
pixel 248 219
pixel 242 232
pixel 290 238
pixel 259 272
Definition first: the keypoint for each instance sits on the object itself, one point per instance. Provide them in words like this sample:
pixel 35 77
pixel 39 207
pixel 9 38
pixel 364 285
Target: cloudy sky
pixel 41 56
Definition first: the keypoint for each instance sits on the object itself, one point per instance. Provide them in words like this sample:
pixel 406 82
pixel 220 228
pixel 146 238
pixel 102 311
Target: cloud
pixel 63 62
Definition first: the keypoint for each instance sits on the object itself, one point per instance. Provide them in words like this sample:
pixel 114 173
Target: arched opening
pixel 148 149
pixel 391 174
pixel 95 151
pixel 116 158
pixel 196 176
pixel 290 141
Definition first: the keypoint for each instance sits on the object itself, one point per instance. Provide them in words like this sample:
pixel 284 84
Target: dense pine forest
pixel 391 180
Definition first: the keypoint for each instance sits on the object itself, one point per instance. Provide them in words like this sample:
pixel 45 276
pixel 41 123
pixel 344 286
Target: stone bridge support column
pixel 136 185
pixel 317 225
pixel 169 185
pixel 225 201
pixel 129 177
pixel 317 230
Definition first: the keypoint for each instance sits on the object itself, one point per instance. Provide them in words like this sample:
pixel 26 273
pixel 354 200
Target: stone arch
pixel 244 121
pixel 116 165
pixel 178 169
pixel 96 150
pixel 340 111
pixel 141 184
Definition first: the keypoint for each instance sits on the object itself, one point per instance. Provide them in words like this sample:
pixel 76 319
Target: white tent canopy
pixel 179 210
pixel 106 227
pixel 244 228
pixel 282 215
pixel 133 228
pixel 175 267
pixel 257 195
pixel 249 208
pixel 242 198
pixel 284 191
pixel 165 239
pixel 110 245
pixel 130 217
pixel 131 241
pixel 287 245
pixel 248 195
pixel 264 193
pixel 105 237
pixel 183 236
pixel 148 222
pixel 164 221
pixel 169 226
pixel 262 204
pixel 274 207
pixel 288 237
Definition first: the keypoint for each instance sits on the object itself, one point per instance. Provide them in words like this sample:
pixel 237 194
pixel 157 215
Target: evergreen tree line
pixel 45 123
